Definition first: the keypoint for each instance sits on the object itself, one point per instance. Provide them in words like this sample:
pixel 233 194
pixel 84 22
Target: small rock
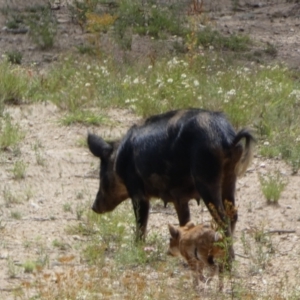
pixel 76 237
pixel 34 205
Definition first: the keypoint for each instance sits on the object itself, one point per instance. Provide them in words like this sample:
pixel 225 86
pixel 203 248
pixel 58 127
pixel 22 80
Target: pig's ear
pixel 173 231
pixel 98 146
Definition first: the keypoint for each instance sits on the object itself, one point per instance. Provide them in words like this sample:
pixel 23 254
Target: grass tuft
pixel 272 186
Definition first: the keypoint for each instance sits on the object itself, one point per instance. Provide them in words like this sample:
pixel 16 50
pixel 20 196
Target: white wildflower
pixel 183 75
pixel 87 84
pixel 232 92
pixel 136 80
pixel 196 82
pixel 170 80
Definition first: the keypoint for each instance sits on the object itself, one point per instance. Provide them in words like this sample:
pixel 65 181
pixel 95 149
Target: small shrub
pixel 99 23
pixel 272 186
pixel 29 266
pixel 67 207
pixel 43 28
pixel 14 57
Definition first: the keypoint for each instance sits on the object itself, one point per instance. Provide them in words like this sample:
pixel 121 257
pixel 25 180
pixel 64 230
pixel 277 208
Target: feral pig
pixel 176 156
pixel 201 246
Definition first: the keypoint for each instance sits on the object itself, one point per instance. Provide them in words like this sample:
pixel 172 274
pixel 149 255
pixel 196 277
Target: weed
pixel 10 134
pixel 9 197
pixel 235 4
pixel 80 211
pixel 13 84
pixel 16 215
pixel 13 270
pixel 86 49
pixel 80 9
pixel 79 195
pixel 60 245
pixel 14 57
pixel 28 192
pixel 29 266
pixel 2 225
pixel 43 28
pixel 212 38
pixel 271 50
pixel 40 160
pixel 272 186
pixel 67 207
pixel 83 117
pixel 147 19
pixel 19 170
pixel 99 23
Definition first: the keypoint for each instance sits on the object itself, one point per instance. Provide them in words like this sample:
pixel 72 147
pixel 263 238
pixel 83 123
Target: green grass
pixel 16 215
pixel 209 37
pixel 262 97
pixel 19 170
pixel 83 117
pixel 272 185
pixel 10 134
pixel 13 84
pixel 29 266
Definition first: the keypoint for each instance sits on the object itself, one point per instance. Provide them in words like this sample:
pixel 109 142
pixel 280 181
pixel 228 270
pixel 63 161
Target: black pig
pixel 176 156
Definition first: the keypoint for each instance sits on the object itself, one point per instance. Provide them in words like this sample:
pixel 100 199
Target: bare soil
pixel 59 172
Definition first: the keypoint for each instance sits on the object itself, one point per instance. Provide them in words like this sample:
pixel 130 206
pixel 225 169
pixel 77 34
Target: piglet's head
pixel 111 191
